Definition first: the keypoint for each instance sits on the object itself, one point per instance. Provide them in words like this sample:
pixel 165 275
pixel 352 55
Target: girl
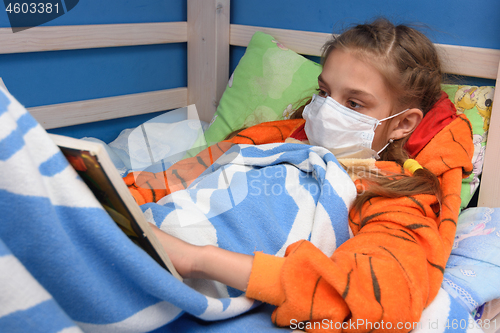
pixel 379 96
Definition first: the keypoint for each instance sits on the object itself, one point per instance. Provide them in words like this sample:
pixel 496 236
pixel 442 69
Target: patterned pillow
pixel 267 79
pixel 476 103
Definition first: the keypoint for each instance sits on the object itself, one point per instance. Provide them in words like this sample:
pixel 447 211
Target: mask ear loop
pixel 394 115
pixel 388 143
pixel 390 117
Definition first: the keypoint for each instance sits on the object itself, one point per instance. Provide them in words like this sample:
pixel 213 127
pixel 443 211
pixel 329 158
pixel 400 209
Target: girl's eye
pixel 353 105
pixel 322 93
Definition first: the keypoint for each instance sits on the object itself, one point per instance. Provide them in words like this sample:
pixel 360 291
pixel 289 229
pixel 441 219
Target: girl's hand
pixel 206 262
pixel 181 254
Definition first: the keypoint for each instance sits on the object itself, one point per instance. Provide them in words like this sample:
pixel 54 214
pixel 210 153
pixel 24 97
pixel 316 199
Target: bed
pixel 209 34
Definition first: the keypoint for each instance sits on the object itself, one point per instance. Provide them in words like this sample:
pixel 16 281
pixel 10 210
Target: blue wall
pixel 64 76
pixel 456 22
pixel 42 78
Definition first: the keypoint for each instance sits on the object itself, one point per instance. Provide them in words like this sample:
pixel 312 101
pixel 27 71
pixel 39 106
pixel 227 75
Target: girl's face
pixel 359 86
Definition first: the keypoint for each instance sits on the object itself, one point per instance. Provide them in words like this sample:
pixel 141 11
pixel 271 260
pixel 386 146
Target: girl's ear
pixel 405 124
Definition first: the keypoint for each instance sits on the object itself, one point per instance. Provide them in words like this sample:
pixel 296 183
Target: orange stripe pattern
pixel 150 187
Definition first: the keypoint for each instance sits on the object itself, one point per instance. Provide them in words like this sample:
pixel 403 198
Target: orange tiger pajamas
pixel 386 274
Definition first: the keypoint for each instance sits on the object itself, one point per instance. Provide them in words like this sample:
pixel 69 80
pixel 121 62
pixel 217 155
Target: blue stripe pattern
pixel 44 317
pixel 55 164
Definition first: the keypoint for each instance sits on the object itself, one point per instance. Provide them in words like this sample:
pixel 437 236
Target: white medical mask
pixel 345 132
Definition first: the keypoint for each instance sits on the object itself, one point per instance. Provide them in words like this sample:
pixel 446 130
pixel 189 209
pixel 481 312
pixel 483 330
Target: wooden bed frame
pixel 209 34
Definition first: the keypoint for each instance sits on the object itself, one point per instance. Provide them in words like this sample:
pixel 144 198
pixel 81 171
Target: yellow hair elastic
pixel 412 165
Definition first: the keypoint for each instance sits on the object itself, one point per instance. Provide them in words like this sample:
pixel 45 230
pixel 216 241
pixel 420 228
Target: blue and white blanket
pixel 260 198
pixel 66 267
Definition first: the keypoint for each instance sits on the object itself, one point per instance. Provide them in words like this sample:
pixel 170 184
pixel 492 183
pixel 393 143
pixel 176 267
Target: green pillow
pixel 268 78
pixel 476 103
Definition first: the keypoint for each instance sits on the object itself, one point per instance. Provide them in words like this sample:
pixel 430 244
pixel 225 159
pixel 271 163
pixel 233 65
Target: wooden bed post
pixel 208 54
pixel 489 190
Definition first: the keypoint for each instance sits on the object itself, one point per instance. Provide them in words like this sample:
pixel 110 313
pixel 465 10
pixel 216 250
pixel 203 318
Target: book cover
pixel 92 163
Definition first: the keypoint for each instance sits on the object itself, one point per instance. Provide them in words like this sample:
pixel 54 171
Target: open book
pixel 94 166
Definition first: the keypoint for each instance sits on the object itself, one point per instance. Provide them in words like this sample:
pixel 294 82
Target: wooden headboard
pixel 209 34
pixel 206 33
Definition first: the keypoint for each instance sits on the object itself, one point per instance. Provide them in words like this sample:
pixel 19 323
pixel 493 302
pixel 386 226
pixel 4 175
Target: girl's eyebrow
pixel 354 92
pixel 321 80
pixel 360 93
